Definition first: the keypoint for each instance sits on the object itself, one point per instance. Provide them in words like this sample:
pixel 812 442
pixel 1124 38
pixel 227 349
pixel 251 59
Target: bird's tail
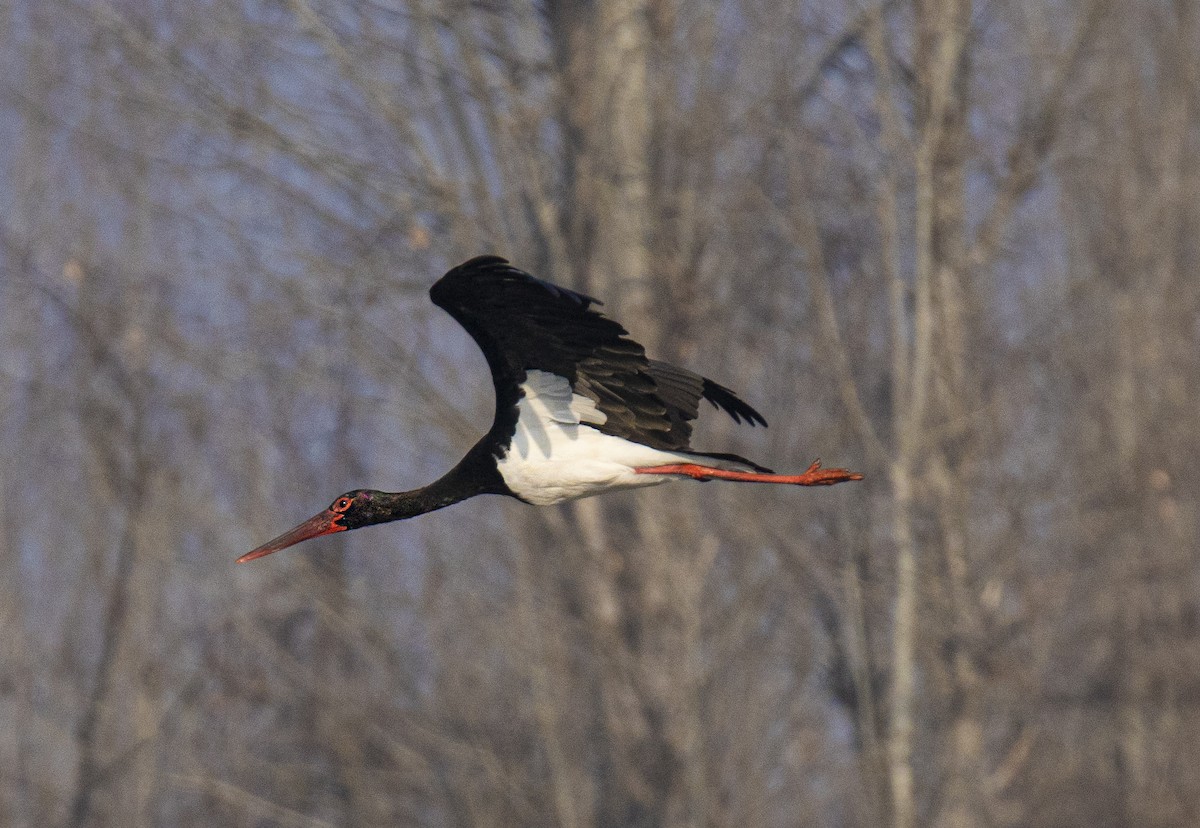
pixel 726 462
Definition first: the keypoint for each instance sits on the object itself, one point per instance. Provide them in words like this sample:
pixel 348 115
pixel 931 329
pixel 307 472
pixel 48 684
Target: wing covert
pixel 522 323
pixel 525 324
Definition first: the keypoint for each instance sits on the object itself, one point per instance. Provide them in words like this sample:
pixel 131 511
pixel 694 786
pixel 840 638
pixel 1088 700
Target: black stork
pixel 580 410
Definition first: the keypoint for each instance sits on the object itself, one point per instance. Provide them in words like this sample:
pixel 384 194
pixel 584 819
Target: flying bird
pixel 580 410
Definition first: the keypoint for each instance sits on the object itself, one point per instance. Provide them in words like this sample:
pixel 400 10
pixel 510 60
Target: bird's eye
pixel 342 504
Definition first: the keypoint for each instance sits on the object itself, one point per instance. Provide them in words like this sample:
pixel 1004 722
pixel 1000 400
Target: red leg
pixel 814 476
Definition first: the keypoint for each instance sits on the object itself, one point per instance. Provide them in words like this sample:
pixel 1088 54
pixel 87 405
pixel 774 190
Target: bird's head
pixel 351 510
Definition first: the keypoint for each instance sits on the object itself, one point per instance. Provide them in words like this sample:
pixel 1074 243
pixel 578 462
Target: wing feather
pixel 524 324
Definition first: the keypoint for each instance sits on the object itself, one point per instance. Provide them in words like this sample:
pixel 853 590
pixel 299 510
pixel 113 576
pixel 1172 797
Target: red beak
pixel 314 527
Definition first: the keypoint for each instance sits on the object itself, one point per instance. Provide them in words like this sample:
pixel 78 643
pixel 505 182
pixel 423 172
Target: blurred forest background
pixel 950 243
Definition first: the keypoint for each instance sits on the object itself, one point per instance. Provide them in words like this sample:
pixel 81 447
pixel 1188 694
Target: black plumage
pixel 524 324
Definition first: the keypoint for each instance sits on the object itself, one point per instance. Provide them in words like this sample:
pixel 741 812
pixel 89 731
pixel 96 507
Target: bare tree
pixel 947 241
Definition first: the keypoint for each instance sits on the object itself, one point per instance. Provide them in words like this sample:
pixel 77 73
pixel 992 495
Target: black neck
pixel 476 474
pixel 439 494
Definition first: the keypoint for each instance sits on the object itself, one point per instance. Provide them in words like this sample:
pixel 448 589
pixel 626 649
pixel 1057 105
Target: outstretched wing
pixel 524 324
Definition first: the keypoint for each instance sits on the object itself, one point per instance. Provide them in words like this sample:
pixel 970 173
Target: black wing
pixel 525 324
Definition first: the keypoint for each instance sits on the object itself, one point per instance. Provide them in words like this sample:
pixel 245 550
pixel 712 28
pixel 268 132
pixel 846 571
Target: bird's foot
pixel 813 476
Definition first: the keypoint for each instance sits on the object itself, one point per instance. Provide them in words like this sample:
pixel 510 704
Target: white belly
pixel 555 455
